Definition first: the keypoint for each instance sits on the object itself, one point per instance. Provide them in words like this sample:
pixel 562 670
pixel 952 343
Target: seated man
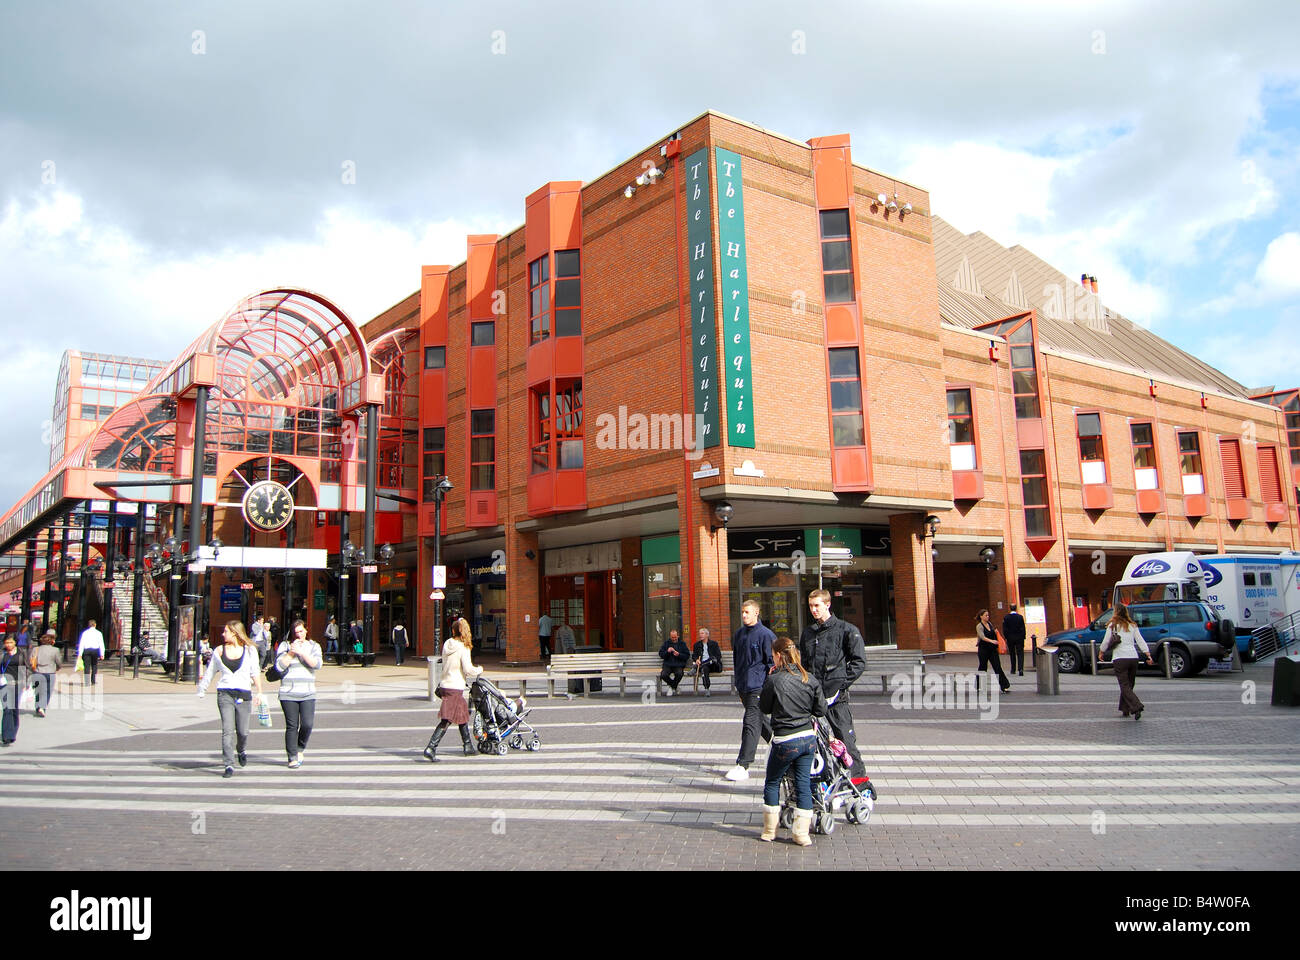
pixel 675 655
pixel 707 658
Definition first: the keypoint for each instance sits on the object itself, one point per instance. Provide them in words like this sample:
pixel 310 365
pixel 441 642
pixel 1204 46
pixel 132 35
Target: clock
pixel 268 506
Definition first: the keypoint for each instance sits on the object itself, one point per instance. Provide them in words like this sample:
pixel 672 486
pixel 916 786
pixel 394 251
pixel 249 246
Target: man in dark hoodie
pixel 752 652
pixel 676 654
pixel 833 652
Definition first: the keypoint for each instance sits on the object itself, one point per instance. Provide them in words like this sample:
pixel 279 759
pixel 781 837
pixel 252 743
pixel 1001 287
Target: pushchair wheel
pixel 484 746
pixel 860 811
pixel 826 821
pixel 787 817
pixel 517 742
pixel 502 749
pixel 534 744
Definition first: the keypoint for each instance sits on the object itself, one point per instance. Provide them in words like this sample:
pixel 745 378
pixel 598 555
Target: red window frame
pixel 434 454
pixel 1234 469
pixel 955 418
pixel 1032 508
pixel 1140 449
pixel 1092 446
pixel 843 413
pixel 539 299
pixel 540 439
pixel 1186 455
pixel 482 446
pixel 571 313
pixel 1270 474
pixel 1020 344
pixel 568 425
pixel 832 242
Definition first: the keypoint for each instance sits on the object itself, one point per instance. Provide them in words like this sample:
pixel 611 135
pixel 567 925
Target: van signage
pixel 1212 575
pixel 1151 568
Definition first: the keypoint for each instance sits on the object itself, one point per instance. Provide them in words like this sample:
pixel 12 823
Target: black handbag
pixel 273 674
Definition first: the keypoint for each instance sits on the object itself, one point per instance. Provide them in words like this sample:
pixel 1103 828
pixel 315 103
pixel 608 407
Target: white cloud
pixel 1277 278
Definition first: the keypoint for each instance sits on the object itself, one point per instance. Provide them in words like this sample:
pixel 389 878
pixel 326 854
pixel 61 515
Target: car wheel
pixel 1251 654
pixel 1180 662
pixel 1068 660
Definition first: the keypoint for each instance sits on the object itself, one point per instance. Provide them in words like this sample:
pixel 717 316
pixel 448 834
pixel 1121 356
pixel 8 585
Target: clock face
pixel 268 506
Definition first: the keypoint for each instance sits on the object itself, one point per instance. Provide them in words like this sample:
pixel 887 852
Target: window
pixel 1189 462
pixel 1024 373
pixel 846 398
pixel 961 430
pixel 1234 478
pixel 539 298
pixel 483 334
pixel 1033 486
pixel 435 459
pixel 435 358
pixel 1270 475
pixel 541 445
pixel 1292 408
pixel 1092 452
pixel 837 256
pixel 1145 472
pixel 568 293
pixel 568 424
pixel 482 450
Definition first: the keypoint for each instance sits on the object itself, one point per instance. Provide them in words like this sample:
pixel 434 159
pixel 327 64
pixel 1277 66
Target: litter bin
pixel 1286 682
pixel 591 682
pixel 435 675
pixel 1049 681
pixel 188 670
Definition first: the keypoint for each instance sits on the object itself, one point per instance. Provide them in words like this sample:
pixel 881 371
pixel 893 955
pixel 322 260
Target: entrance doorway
pixel 590 604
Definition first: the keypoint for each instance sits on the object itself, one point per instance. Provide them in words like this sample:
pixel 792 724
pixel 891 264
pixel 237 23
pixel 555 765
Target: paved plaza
pixel 132 779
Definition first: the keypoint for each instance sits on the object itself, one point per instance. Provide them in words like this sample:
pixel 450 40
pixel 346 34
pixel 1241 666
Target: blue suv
pixel 1189 632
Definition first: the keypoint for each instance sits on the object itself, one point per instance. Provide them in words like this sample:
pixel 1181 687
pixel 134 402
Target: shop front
pixel 662 571
pixel 485 599
pixel 583 593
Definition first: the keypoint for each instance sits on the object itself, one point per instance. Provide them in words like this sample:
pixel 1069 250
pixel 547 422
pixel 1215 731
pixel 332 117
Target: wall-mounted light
pixel 529 555
pixel 987 555
pixel 628 191
pixel 931 526
pixel 722 512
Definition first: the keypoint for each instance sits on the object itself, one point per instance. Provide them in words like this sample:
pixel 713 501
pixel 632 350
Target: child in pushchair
pixel 499 720
pixel 832 786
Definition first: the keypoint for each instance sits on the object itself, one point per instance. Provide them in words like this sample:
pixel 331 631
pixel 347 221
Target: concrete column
pixel 914 584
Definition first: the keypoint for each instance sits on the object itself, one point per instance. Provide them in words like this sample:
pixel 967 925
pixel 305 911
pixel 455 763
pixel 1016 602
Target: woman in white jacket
pixel 457 672
pixel 238 662
pixel 1125 640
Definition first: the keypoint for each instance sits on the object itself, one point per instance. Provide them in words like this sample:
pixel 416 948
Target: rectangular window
pixel 1234 477
pixel 435 358
pixel 568 293
pixel 1189 462
pixel 1033 485
pixel 837 256
pixel 539 299
pixel 1270 475
pixel 434 451
pixel 482 450
pixel 961 430
pixel 541 439
pixel 568 424
pixel 846 398
pixel 1292 408
pixel 1145 472
pixel 1024 373
pixel 1092 452
pixel 483 334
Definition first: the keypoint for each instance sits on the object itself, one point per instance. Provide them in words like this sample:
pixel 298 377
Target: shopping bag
pixel 81 665
pixel 264 712
pixel 1002 642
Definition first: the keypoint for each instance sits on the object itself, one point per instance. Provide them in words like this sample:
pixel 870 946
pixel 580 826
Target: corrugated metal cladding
pixel 974 269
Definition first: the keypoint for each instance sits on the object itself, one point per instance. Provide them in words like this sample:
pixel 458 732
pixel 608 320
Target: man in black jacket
pixel 676 654
pixel 1013 632
pixel 707 658
pixel 834 653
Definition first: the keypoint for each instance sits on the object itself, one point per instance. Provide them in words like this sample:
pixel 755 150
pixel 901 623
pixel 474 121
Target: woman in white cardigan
pixel 458 671
pixel 1123 640
pixel 238 662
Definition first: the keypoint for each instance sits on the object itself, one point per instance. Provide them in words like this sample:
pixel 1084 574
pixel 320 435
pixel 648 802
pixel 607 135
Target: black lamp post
pixel 440 491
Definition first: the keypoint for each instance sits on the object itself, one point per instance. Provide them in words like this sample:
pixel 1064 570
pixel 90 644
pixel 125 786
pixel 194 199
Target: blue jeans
pixel 782 757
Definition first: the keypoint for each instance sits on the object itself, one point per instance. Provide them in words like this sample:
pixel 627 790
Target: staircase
pixel 1278 636
pixel 152 618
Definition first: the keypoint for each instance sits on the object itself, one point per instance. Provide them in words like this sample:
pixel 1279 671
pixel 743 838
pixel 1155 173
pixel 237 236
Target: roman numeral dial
pixel 268 506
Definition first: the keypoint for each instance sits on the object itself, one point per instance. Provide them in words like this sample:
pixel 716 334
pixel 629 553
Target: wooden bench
pixel 647 663
pixel 885 663
pixel 583 666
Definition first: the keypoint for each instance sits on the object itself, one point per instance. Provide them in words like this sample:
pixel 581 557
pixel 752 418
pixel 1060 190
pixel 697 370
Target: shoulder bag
pixel 273 673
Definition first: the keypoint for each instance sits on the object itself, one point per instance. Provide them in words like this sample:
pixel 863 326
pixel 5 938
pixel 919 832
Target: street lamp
pixel 440 491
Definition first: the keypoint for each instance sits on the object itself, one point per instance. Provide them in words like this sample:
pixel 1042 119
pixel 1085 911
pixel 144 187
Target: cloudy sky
pixel 161 160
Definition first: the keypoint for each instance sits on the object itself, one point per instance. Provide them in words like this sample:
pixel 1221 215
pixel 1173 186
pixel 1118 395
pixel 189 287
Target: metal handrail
pixel 156 595
pixel 1276 637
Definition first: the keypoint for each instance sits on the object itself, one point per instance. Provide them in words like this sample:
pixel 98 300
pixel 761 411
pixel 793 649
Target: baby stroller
pixel 832 787
pixel 499 720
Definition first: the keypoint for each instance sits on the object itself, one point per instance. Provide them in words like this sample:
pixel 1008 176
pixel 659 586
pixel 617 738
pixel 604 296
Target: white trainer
pixel 736 774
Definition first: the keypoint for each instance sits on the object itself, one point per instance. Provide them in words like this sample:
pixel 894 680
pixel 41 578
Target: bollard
pixel 1049 681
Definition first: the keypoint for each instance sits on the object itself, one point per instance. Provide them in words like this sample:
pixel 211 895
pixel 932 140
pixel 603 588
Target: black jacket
pixel 791 702
pixel 675 653
pixel 1013 628
pixel 834 653
pixel 714 653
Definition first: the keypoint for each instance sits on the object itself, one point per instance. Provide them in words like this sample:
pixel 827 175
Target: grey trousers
pixel 234 706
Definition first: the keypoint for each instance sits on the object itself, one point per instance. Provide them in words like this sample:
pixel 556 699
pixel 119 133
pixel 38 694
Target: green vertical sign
pixel 704 347
pixel 735 300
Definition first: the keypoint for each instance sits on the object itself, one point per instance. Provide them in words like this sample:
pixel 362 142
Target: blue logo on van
pixel 1212 575
pixel 1151 568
